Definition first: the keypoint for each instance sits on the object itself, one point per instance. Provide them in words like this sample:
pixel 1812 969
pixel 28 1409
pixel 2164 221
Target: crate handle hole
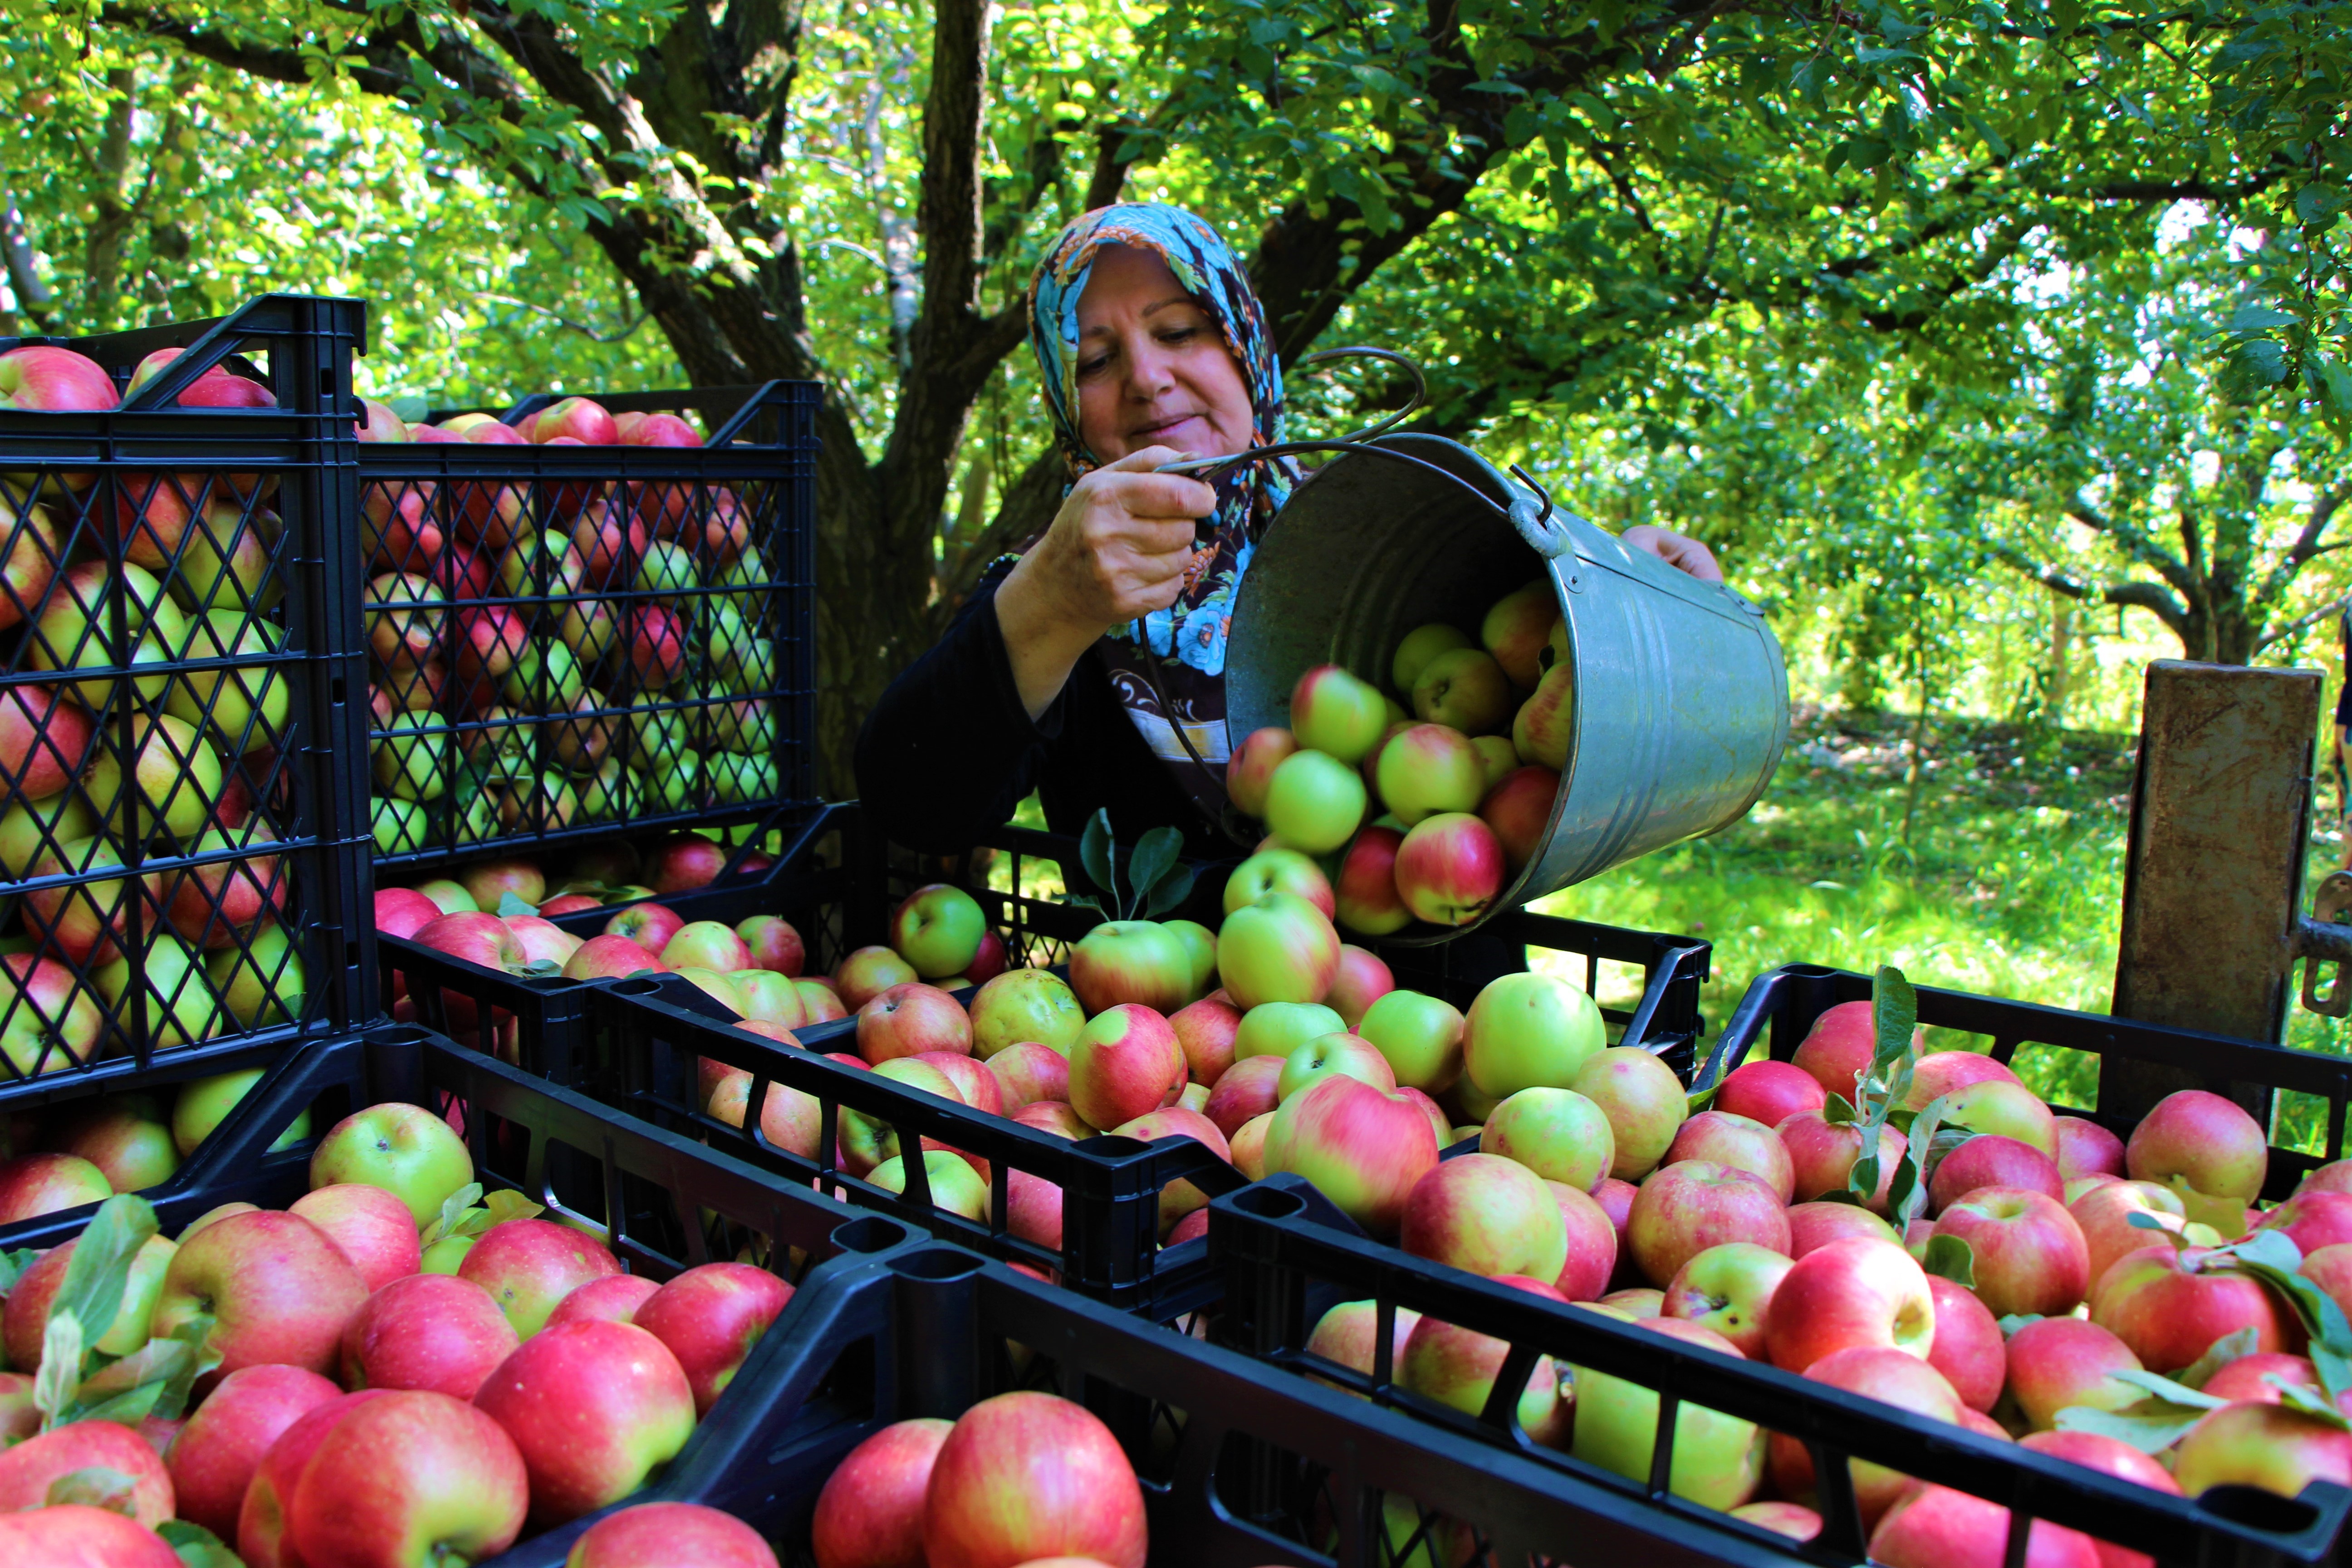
pixel 2261 1510
pixel 936 1263
pixel 871 1235
pixel 1269 1203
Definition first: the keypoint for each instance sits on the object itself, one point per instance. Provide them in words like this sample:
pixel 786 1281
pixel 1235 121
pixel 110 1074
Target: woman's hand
pixel 1117 550
pixel 1678 551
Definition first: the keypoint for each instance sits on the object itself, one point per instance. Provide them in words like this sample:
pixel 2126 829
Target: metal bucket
pixel 1681 695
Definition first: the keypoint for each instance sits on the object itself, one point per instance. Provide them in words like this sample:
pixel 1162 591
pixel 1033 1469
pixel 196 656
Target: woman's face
pixel 1153 369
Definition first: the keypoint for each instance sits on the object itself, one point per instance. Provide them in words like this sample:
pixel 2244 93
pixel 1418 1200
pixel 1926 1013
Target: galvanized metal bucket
pixel 1681 694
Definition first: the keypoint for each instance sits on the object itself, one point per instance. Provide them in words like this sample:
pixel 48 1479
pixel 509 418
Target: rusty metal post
pixel 2213 877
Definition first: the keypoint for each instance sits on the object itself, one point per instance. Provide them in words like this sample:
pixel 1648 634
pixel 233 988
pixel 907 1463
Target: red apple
pixel 369 1225
pixel 82 1535
pixel 1817 1225
pixel 1838 1047
pixel 477 938
pixel 593 1408
pixel 868 971
pixel 2085 1148
pixel 1485 1214
pixel 650 926
pixel 2105 1212
pixel 1029 1072
pixel 1769 1091
pixel 614 1299
pixel 1457 1367
pixel 1127 1061
pixel 29 1469
pixel 2109 1455
pixel 214 1456
pixel 1363 979
pixel 432 1331
pixel 277 1289
pixel 1857 1292
pixel 2257 1378
pixel 1728 1289
pixel 2313 1220
pixel 655 1535
pixel 1366 899
pixel 1250 768
pixel 1968 1347
pixel 2169 1307
pixel 1024 1477
pixel 2202 1140
pixel 2031 1257
pixel 1821 1157
pixel 1594 1241
pixel 1137 962
pixel 529 1265
pixel 1205 1029
pixel 1449 868
pixel 774 945
pixel 1643 1101
pixel 709 1317
pixel 2259 1444
pixel 610 956
pixel 1936 1527
pixel 1248 1088
pixel 1361 1147
pixel 1518 811
pixel 1939 1073
pixel 910 1018
pixel 1738 1141
pixel 870 1513
pixel 1989 1159
pixel 1890 1376
pixel 403 1479
pixel 1682 1210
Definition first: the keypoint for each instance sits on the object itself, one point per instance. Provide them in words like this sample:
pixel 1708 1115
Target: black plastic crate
pixel 1237 1467
pixel 182 592
pixel 590 635
pixel 1288 1258
pixel 1780 1005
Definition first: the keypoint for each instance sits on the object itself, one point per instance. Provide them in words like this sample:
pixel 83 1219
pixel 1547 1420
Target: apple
pixel 544 941
pixel 1250 770
pixel 1966 1347
pixel 404 1149
pixel 1821 1157
pixel 35 1184
pixel 1769 1091
pixel 774 944
pixel 1939 1073
pixel 1031 1005
pixel 1635 1304
pixel 84 922
pixel 2103 1213
pixel 1682 1210
pixel 1487 1215
pixel 529 1265
pixel 211 903
pixel 820 1001
pixel 1859 1291
pixel 24 1320
pixel 608 957
pixel 2254 1443
pixel 44 740
pixel 1458 1367
pixel 1139 962
pixel 956 1188
pixel 128 1139
pixel 403 1477
pixel 594 1407
pixel 1315 802
pixel 2109 1455
pixel 2311 1220
pixel 1277 1028
pixel 1449 868
pixel 1246 1091
pixel 939 929
pixel 1464 689
pixel 2011 1109
pixel 870 1512
pixel 42 376
pixel 1419 1034
pixel 76 632
pixel 1989 1159
pixel 1363 978
pixel 1816 1224
pixel 1279 949
pixel 769 999
pixel 2259 1378
pixel 1277 871
pixel 279 1290
pixel 1717 1460
pixel 707 944
pixel 1643 1102
pixel 1728 1289
pixel 1838 1049
pixel 2169 1307
pixel 1791 1519
pixel 615 1298
pixel 1429 769
pixel 1318 1058
pixel 2085 1148
pixel 1517 629
pixel 1023 1478
pixel 1363 1148
pixel 788 1119
pixel 652 1534
pixel 651 926
pixel 2030 1254
pixel 1349 1334
pixel 203 1103
pixel 242 708
pixel 1125 1062
pixel 1518 808
pixel 371 1226
pixel 2058 1364
pixel 1367 900
pixel 911 1018
pixel 430 1332
pixel 709 1317
pixel 1207 1031
pixel 1557 1133
pixel 31 1467
pixel 1333 712
pixel 1178 1199
pixel 1593 1242
pixel 1738 1141
pixel 1528 1030
pixel 2202 1141
pixel 1891 1377
pixel 1028 1073
pixel 1936 1527
pixel 213 1458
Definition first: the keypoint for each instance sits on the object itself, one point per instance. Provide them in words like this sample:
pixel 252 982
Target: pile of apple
pixel 2114 1303
pixel 184 759
pixel 592 878
pixel 603 685
pixel 387 1371
pixel 62 1158
pixel 1464 783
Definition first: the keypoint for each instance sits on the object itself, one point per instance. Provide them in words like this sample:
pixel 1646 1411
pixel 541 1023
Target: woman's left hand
pixel 1678 551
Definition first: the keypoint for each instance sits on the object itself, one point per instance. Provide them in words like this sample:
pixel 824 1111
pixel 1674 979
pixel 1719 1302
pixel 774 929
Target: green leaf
pixel 542 968
pixel 2219 1355
pixel 1893 1015
pixel 453 1209
pixel 197 1547
pixel 2272 1257
pixel 2152 1425
pixel 2144 1221
pixel 1154 858
pixel 100 1269
pixel 2016 1320
pixel 1951 1258
pixel 98 1486
pixel 13 1266
pixel 139 1385
pixel 1095 848
pixel 1912 1201
pixel 2302 1398
pixel 1695 1102
pixel 2166 1389
pixel 1838 1112
pixel 507 1204
pixel 510 906
pixel 61 1357
pixel 1170 895
pixel 2258 319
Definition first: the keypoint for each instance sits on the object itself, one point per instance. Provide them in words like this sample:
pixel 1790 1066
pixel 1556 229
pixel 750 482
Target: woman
pixel 1091 667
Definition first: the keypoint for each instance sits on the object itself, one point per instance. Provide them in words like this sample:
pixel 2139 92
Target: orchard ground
pixel 2009 881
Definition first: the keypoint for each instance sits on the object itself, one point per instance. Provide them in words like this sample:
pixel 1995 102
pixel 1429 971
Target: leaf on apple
pixel 2220 1353
pixel 153 1380
pixel 507 1204
pixel 1095 849
pixel 2272 1257
pixel 2014 1322
pixel 13 1266
pixel 1951 1258
pixel 1700 1100
pixel 197 1547
pixel 2305 1400
pixel 100 1269
pixel 2152 1425
pixel 510 906
pixel 62 1351
pixel 453 1209
pixel 96 1485
pixel 1838 1112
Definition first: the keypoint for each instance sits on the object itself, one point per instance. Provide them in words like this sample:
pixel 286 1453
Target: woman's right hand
pixel 1117 550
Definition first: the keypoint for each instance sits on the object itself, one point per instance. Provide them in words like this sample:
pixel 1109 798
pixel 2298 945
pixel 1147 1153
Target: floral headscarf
pixel 1168 668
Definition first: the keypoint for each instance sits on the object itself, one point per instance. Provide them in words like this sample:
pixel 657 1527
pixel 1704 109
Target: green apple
pixel 1556 1133
pixel 1025 1005
pixel 1333 712
pixel 261 983
pixel 244 708
pixel 665 571
pixel 174 769
pixel 1719 1459
pixel 411 756
pixel 404 1149
pixel 746 571
pixel 1529 1030
pixel 64 817
pixel 444 1255
pixel 396 824
pixel 171 1003
pixel 77 630
pixel 1644 1101
pixel 545 679
pixel 1315 803
pixel 1201 943
pixel 610 795
pixel 737 779
pixel 1420 646
pixel 536 565
pixel 1278 1029
pixel 1340 1053
pixel 1420 1035
pixel 225 565
pixel 205 1103
pixel 938 929
pixel 658 739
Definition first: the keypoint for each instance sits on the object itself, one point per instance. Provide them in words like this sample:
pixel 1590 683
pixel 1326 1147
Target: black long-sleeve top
pixel 950 751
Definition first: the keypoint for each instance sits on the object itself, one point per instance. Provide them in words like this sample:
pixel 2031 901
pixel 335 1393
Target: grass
pixel 1996 868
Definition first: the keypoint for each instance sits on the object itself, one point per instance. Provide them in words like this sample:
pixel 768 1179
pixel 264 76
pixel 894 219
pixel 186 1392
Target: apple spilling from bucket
pixel 391 1369
pixel 1426 813
pixel 548 651
pixel 1913 1227
pixel 176 770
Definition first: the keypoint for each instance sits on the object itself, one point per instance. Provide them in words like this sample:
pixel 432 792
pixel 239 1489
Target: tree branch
pixel 2147 596
pixel 2135 544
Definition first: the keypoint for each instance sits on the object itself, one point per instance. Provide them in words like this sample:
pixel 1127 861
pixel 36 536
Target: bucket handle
pixel 1546 537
